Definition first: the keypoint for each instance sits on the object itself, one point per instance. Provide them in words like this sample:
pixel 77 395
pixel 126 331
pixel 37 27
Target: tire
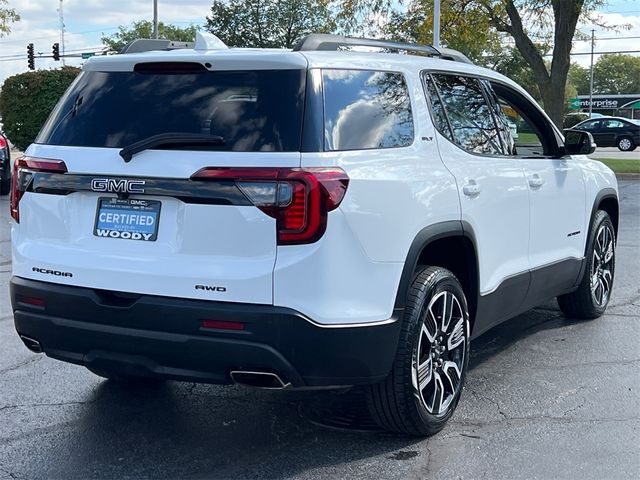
pixel 587 302
pixel 123 378
pixel 625 144
pixel 398 404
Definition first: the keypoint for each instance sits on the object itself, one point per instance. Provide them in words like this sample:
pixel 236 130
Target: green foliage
pixel 268 23
pixel 464 26
pixel 579 77
pixel 574 119
pixel 144 29
pixel 7 16
pixel 27 99
pixel 510 63
pixel 616 74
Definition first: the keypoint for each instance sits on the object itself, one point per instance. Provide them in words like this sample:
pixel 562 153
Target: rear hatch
pixel 188 209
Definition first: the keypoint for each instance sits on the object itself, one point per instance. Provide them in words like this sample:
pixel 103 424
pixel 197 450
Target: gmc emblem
pixel 117 185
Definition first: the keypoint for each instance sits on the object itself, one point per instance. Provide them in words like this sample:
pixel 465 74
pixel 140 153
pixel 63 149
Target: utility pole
pixel 155 18
pixel 593 42
pixel 436 23
pixel 61 14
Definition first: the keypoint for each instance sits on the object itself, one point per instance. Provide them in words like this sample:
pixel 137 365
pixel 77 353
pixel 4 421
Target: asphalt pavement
pixel 613 152
pixel 545 398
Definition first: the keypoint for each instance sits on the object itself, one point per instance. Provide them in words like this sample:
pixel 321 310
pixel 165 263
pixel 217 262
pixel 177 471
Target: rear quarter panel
pixel 393 194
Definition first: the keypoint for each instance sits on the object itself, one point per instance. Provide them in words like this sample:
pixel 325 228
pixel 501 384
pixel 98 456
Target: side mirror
pixel 578 142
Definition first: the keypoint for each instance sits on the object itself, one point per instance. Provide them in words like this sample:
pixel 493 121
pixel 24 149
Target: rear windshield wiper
pixel 168 139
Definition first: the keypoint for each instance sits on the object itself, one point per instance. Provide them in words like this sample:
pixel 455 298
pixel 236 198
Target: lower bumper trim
pixel 161 336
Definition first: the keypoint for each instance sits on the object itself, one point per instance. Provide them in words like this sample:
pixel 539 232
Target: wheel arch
pixel 607 200
pixel 451 245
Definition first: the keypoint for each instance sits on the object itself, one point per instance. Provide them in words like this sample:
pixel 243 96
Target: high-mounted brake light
pixel 299 199
pixel 23 170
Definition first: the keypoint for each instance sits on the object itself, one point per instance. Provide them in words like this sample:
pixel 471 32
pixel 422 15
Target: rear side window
pixel 470 116
pixel 252 110
pixel 613 124
pixel 366 109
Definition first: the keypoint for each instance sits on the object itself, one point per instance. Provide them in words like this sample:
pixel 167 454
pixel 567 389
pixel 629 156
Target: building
pixel 615 105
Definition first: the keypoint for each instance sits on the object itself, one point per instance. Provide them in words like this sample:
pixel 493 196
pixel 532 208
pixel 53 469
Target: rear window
pixel 252 110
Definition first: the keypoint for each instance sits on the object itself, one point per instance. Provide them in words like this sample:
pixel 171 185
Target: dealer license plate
pixel 129 219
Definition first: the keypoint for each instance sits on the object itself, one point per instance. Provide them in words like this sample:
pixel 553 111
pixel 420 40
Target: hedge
pixel 26 100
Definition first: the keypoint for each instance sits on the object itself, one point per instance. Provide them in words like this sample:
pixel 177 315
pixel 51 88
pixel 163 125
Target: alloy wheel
pixel 439 359
pixel 602 266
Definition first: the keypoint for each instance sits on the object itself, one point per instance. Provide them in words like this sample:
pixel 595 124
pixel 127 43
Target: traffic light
pixel 56 51
pixel 30 59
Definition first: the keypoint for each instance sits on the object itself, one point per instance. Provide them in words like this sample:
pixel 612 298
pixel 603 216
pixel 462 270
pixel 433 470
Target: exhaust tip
pixel 31 344
pixel 266 380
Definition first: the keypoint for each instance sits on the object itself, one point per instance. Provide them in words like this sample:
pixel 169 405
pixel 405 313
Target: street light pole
pixel 436 23
pixel 155 18
pixel 593 41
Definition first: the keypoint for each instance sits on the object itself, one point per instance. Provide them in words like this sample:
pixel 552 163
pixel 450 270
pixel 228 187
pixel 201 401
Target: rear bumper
pixel 162 336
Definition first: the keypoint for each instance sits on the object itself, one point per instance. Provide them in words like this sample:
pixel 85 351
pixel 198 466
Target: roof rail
pixel 150 44
pixel 323 41
pixel 453 55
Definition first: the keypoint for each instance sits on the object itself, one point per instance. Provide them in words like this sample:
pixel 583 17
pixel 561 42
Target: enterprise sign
pixel 613 102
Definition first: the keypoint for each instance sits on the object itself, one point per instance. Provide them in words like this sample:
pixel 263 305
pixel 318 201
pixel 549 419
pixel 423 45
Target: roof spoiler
pixel 204 41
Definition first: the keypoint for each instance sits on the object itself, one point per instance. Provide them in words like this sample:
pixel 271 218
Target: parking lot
pixel 545 398
pixel 613 152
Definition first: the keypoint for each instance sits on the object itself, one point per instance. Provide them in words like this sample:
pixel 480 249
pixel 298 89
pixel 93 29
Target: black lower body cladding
pixel 163 337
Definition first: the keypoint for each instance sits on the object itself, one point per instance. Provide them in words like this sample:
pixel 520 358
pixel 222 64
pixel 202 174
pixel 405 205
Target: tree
pixel 463 25
pixel 579 78
pixel 616 74
pixel 27 99
pixel 532 24
pixel 7 16
pixel 144 29
pixel 268 23
pixel 555 21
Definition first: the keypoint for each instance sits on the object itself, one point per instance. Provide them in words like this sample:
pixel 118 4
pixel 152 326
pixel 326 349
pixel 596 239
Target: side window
pixel 525 138
pixel 366 109
pixel 589 125
pixel 613 124
pixel 437 109
pixel 506 119
pixel 472 124
pixel 532 134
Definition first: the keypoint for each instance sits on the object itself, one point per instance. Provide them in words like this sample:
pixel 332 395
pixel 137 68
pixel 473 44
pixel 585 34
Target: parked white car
pixel 310 218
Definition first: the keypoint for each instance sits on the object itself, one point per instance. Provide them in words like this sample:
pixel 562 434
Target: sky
pixel 86 20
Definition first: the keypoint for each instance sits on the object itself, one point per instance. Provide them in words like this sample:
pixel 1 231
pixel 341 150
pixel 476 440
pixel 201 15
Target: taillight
pixel 3 142
pixel 299 199
pixel 23 170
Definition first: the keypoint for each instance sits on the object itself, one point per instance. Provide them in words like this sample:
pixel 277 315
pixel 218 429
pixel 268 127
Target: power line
pixel 597 53
pixel 41 55
pixel 510 40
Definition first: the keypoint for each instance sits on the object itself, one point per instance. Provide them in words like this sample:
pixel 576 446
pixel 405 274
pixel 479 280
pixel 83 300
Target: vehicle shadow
pixel 180 430
pixel 192 431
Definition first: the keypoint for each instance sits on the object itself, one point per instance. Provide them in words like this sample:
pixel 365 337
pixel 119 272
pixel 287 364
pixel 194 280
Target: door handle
pixel 471 189
pixel 535 181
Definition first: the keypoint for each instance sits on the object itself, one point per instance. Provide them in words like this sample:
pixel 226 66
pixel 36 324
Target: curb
pixel 628 176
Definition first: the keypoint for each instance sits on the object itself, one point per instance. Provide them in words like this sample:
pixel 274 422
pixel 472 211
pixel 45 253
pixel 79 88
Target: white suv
pixel 306 218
